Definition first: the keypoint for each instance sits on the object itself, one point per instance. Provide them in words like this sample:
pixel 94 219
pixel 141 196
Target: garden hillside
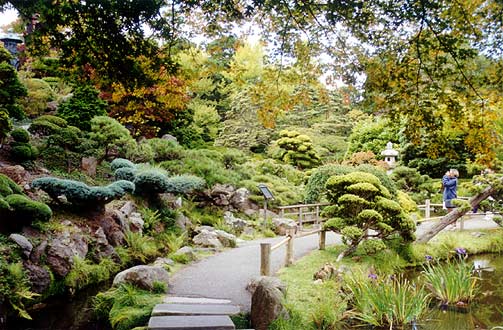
pixel 138 133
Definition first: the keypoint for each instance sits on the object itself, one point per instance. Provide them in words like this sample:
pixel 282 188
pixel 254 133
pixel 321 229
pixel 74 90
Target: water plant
pixel 452 282
pixel 386 300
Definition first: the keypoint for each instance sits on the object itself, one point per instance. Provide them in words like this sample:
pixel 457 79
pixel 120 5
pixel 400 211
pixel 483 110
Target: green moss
pixel 85 273
pixel 27 209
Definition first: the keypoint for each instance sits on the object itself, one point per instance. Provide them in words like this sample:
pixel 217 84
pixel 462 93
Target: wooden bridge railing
pixel 266 249
pixel 304 213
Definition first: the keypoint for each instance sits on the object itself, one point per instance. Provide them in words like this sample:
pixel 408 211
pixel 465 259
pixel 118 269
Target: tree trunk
pixel 454 215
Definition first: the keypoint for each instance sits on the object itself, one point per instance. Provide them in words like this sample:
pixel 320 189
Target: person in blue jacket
pixel 450 185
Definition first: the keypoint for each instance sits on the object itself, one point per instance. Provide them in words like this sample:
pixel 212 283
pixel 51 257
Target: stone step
pixel 198 322
pixel 192 300
pixel 194 309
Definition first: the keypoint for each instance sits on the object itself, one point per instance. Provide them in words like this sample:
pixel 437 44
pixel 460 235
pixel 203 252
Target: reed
pixel 386 301
pixel 452 282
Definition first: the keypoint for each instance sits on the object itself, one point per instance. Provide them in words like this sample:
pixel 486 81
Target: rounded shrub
pixel 24 151
pixel 25 208
pixel 150 182
pixel 184 184
pixel 8 187
pixel 20 135
pixel 125 173
pixel 121 163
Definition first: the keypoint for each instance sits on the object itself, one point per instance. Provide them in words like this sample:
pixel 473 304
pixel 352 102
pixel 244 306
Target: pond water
pixel 485 313
pixel 64 313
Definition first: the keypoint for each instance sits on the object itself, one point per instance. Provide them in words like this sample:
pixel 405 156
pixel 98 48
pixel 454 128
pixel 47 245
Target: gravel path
pixel 226 274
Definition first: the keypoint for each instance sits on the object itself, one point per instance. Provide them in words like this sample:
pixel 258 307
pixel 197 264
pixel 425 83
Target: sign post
pixel 267 196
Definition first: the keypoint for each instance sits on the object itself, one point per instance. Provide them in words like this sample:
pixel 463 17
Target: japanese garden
pixel 255 164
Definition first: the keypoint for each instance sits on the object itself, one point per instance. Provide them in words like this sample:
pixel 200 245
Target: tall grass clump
pixel 141 248
pixel 85 273
pixel 126 306
pixel 452 282
pixel 386 301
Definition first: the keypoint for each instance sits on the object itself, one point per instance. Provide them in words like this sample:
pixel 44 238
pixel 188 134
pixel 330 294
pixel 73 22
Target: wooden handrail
pixel 266 249
pixel 301 205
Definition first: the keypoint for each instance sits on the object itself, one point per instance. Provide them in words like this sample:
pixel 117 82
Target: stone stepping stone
pixel 192 300
pixel 200 322
pixel 195 309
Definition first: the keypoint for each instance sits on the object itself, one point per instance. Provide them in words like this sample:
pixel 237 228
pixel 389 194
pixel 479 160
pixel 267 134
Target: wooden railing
pixel 266 249
pixel 304 213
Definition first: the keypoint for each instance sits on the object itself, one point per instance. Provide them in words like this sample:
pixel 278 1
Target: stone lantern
pixel 10 41
pixel 390 155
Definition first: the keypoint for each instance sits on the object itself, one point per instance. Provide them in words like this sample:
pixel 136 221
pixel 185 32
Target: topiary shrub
pixel 297 149
pixel 47 125
pixel 8 187
pixel 362 203
pixel 80 194
pixel 165 149
pixel 21 149
pixel 183 184
pixel 121 163
pixel 20 135
pixel 24 208
pixel 109 134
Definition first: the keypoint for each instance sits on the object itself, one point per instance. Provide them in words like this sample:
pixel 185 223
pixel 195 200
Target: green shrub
pixel 85 273
pixel 361 202
pixel 109 134
pixel 79 193
pixel 125 173
pixel 23 152
pixel 5 124
pixel 165 149
pixel 140 152
pixel 150 182
pixel 121 163
pixel 297 149
pixel 47 125
pixel 20 135
pixel 8 187
pixel 39 93
pixel 183 184
pixel 83 106
pixel 28 210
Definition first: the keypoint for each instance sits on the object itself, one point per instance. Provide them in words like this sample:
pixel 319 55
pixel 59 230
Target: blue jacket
pixel 450 187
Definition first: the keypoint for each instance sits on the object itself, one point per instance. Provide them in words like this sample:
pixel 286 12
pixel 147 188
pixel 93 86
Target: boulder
pixel 187 251
pixel 135 222
pixel 164 262
pixel 89 165
pixel 282 225
pixel 207 238
pixel 169 137
pixel 23 242
pixel 227 240
pixel 240 200
pixel 17 173
pixel 39 277
pixel 102 248
pixel 266 303
pixel 114 228
pixel 128 208
pixel 38 252
pixel 182 222
pixel 64 247
pixel 143 276
pixel 237 224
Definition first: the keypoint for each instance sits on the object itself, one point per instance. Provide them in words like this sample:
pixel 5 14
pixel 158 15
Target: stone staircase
pixel 184 313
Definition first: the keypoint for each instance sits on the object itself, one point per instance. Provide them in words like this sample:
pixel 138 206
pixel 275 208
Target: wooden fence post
pixel 289 247
pixel 300 217
pixel 323 236
pixel 427 209
pixel 317 214
pixel 265 259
